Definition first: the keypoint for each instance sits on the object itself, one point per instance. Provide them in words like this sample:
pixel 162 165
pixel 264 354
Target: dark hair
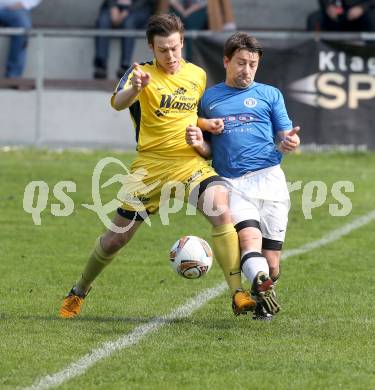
pixel 241 41
pixel 163 25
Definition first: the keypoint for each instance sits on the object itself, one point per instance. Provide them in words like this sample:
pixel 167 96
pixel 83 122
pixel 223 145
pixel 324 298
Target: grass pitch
pixel 323 338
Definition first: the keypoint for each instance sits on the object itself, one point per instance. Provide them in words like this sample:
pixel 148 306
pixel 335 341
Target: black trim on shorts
pixel 206 182
pixel 271 245
pixel 131 215
pixel 248 256
pixel 247 223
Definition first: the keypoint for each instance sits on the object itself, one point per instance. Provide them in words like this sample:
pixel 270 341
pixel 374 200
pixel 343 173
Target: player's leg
pixel 250 237
pixel 108 245
pixel 143 181
pixel 213 202
pixel 274 219
pixel 105 249
pixel 255 267
pixel 246 216
pixel 273 259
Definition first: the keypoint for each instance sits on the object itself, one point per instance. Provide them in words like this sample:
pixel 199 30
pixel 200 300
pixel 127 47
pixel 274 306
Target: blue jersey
pixel 252 117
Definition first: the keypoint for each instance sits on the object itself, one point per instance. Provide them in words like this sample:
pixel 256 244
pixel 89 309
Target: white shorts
pixel 262 196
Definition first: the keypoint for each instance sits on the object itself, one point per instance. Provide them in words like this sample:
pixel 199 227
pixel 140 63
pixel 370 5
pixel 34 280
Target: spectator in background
pixel 16 13
pixel 343 15
pixel 193 14
pixel 220 15
pixel 122 14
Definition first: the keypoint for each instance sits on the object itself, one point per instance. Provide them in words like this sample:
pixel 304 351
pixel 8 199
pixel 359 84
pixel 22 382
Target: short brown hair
pixel 163 25
pixel 241 41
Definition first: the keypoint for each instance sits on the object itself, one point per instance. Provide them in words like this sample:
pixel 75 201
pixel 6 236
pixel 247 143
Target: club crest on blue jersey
pixel 250 102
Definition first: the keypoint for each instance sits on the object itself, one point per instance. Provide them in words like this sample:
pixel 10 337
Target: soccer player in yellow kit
pixel 162 97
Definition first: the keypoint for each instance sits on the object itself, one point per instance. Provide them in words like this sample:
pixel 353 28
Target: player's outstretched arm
pixel 289 140
pixel 138 81
pixel 214 126
pixel 194 137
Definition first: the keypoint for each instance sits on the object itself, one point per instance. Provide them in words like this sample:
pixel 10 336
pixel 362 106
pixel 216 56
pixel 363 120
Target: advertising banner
pixel 328 86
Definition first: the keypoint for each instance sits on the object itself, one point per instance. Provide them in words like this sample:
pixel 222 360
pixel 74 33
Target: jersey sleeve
pixel 203 82
pixel 123 83
pixel 279 116
pixel 207 136
pixel 202 105
pixel 201 113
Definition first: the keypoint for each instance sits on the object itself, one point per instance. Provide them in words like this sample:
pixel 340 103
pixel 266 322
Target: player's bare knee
pixel 215 208
pixel 213 200
pixel 217 220
pixel 249 234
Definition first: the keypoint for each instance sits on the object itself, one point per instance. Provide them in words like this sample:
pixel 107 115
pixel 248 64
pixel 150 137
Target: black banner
pixel 329 87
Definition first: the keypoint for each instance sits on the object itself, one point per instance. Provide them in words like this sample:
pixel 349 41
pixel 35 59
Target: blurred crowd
pixel 16 13
pixel 332 15
pixel 343 15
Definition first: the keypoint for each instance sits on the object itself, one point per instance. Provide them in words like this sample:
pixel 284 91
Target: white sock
pixel 253 265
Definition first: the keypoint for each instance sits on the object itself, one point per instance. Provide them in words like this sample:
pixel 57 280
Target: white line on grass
pixel 108 348
pixel 332 236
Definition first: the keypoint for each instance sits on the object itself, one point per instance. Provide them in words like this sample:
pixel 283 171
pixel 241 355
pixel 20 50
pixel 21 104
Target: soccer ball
pixel 191 257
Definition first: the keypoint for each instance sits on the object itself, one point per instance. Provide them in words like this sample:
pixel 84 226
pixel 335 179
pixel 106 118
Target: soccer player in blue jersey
pixel 162 96
pixel 251 132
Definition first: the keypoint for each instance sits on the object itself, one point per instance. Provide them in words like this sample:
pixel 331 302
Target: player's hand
pixel 194 136
pixel 215 126
pixel 140 79
pixel 291 140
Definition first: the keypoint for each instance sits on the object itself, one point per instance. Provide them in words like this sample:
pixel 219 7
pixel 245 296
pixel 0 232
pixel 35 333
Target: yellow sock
pixel 97 261
pixel 227 254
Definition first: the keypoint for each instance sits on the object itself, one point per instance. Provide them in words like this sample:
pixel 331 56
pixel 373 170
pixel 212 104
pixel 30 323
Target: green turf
pixel 323 338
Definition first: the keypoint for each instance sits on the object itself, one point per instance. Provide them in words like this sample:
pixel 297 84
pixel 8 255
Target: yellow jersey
pixel 165 108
